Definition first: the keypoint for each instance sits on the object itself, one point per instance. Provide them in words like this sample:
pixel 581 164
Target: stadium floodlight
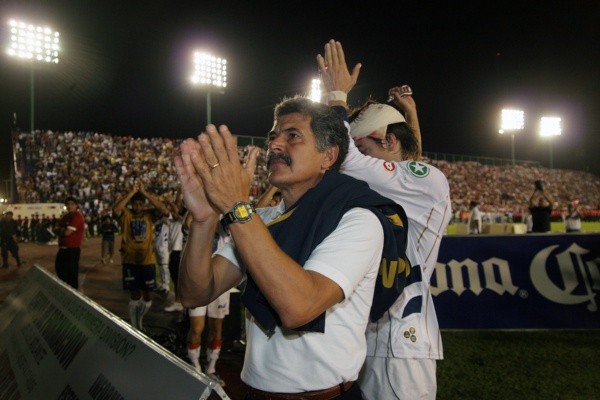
pixel 511 122
pixel 210 73
pixel 31 42
pixel 550 127
pixel 35 44
pixel 315 90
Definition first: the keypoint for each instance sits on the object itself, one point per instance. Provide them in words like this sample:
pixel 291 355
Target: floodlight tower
pixel 34 44
pixel 512 121
pixel 210 73
pixel 315 90
pixel 550 127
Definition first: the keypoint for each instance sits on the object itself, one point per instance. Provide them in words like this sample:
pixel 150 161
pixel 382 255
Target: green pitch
pixel 500 365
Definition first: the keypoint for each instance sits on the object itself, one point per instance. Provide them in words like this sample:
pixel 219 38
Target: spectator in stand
pixel 137 249
pixel 108 229
pixel 540 207
pixel 70 231
pixel 9 239
pixel 111 162
pixel 475 219
pixel 572 219
pixel 404 344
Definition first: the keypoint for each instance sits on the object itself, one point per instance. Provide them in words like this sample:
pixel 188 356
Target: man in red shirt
pixel 70 231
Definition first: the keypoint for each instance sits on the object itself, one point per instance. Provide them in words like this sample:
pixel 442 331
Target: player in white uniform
pixel 404 345
pixel 161 248
pixel 216 311
pixel 176 242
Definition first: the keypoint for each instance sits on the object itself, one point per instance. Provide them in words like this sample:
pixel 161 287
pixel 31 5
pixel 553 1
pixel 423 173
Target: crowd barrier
pixel 531 281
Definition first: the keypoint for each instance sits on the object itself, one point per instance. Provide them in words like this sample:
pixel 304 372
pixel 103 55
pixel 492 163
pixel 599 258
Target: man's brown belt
pixel 324 394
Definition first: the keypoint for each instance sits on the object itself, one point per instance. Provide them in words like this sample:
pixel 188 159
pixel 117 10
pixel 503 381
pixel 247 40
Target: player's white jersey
pixel 423 191
pixel 161 241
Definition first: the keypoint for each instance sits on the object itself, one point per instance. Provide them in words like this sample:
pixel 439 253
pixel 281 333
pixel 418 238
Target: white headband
pixel 375 118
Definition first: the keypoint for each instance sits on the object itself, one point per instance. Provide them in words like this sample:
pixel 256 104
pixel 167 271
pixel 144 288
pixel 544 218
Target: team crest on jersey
pixel 389 166
pixel 418 169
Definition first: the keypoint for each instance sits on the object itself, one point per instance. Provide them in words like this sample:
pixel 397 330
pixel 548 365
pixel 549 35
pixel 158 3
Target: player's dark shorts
pixel 139 277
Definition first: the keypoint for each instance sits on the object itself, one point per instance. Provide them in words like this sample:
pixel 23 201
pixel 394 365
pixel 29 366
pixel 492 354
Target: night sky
pixel 125 68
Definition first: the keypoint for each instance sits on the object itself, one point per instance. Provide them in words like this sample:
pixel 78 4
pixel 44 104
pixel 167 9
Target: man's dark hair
pixel 407 139
pixel 138 197
pixel 327 125
pixel 402 131
pixel 71 198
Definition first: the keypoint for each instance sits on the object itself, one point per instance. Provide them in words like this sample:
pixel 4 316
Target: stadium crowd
pixel 503 191
pixel 98 168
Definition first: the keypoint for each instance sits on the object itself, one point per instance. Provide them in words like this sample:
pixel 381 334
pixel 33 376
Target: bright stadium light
pixel 35 44
pixel 512 121
pixel 315 90
pixel 210 73
pixel 550 127
pixel 31 42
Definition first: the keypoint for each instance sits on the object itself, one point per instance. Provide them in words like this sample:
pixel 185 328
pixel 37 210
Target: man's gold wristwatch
pixel 241 212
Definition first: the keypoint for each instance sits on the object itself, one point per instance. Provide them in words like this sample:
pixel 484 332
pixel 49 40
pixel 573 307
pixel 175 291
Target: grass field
pixel 499 365
pixel 586 227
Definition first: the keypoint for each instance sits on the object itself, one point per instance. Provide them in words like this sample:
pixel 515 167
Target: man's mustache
pixel 278 156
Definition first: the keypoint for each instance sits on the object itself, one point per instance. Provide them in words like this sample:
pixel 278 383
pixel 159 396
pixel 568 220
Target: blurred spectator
pixel 572 219
pixel 540 207
pixel 108 229
pixel 475 218
pixel 70 232
pixel 9 234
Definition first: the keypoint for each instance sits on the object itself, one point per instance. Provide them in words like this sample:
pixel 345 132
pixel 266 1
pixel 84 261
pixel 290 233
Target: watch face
pixel 241 212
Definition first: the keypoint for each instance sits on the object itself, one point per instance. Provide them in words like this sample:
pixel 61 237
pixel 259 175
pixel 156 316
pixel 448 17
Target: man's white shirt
pixel 290 361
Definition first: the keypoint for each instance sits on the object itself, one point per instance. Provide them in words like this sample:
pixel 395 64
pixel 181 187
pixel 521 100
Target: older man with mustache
pixel 311 263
